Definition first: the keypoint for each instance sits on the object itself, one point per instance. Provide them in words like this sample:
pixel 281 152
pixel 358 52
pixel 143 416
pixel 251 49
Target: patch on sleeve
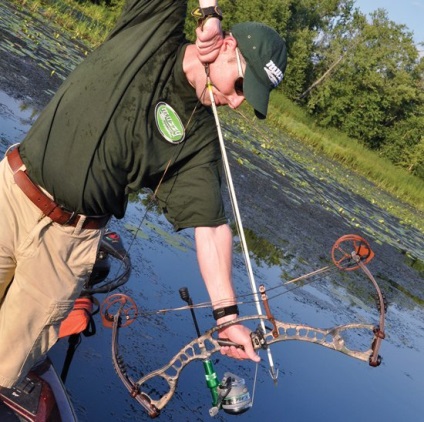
pixel 169 123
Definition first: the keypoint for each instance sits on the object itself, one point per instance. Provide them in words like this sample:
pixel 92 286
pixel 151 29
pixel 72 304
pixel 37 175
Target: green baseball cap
pixel 265 54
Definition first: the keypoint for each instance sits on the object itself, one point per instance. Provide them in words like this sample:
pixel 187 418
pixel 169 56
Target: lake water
pixel 314 383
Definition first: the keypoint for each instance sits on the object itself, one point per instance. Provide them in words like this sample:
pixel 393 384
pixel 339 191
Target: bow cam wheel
pixel 349 250
pixel 119 305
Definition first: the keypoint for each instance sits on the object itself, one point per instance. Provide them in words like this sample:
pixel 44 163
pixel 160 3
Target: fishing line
pixel 233 200
pixel 153 196
pixel 254 383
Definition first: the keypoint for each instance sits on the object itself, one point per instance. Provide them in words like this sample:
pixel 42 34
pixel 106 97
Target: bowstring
pixel 249 298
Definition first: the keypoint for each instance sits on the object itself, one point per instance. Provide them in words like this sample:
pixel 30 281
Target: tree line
pixel 362 75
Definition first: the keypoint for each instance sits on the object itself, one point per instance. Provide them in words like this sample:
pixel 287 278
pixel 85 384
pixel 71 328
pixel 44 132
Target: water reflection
pixel 263 252
pixel 16 117
pixel 164 261
pixel 315 383
pixel 308 372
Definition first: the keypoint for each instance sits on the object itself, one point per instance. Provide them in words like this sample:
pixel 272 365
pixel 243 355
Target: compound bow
pixel 207 344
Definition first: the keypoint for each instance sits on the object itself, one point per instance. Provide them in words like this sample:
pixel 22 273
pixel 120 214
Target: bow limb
pixel 121 371
pixel 379 333
pixel 327 337
pixel 350 261
pixel 200 348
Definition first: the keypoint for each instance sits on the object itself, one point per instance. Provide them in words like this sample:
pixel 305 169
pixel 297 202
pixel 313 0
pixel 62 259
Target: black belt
pixel 44 203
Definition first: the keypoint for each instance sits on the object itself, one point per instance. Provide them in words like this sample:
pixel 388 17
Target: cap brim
pixel 256 94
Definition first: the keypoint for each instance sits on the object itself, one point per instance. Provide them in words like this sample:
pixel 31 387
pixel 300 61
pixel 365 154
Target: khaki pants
pixel 43 267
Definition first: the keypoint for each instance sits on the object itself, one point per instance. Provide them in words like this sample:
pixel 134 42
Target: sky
pixel 408 12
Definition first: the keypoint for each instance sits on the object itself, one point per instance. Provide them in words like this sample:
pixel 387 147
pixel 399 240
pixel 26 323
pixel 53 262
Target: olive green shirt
pixel 122 116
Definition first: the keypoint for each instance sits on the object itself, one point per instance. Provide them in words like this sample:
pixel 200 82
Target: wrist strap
pixel 202 14
pixel 225 311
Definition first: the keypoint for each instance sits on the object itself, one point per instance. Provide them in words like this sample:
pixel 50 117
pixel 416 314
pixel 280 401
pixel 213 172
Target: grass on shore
pixel 90 23
pixel 85 21
pixel 297 123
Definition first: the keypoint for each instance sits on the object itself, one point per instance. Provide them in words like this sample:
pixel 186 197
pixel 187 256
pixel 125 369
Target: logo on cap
pixel 274 73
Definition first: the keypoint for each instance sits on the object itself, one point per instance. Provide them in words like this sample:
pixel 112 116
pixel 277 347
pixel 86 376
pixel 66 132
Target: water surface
pixel 293 212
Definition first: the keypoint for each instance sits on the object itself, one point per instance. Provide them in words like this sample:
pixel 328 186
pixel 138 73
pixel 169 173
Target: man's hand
pixel 239 334
pixel 209 40
pixel 214 247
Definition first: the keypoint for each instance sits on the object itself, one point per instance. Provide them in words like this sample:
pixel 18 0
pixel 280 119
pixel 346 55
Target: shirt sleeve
pixel 137 11
pixel 192 198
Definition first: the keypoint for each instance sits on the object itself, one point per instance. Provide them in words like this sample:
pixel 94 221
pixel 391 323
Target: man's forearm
pixel 208 3
pixel 214 254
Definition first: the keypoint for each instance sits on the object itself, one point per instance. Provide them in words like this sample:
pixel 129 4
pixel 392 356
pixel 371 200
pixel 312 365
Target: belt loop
pixel 70 219
pixel 80 224
pixel 15 150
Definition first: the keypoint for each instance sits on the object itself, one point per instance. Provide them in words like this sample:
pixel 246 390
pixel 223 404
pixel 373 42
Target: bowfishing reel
pixel 233 396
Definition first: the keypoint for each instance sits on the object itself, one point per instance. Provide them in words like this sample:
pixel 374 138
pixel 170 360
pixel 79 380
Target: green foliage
pixel 83 19
pixel 296 122
pixel 376 86
pixel 405 145
pixel 309 21
pixel 274 13
pixel 299 64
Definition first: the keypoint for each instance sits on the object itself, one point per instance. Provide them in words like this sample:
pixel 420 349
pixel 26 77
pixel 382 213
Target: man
pixel 133 114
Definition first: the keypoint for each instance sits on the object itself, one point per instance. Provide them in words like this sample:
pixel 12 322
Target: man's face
pixel 226 75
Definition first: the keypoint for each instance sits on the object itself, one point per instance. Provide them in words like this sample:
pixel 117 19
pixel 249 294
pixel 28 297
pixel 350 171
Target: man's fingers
pixel 239 353
pixel 251 354
pixel 226 342
pixel 209 39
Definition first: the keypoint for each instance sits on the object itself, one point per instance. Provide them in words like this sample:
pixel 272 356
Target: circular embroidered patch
pixel 169 123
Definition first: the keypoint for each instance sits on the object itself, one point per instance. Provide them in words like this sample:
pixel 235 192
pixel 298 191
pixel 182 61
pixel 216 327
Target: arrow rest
pixel 258 339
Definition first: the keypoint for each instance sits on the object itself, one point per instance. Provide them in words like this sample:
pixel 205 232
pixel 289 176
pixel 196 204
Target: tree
pixel 274 13
pixel 309 24
pixel 375 86
pixel 299 65
pixel 404 145
pixel 362 77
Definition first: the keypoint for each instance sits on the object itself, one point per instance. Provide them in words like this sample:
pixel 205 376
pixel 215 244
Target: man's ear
pixel 229 43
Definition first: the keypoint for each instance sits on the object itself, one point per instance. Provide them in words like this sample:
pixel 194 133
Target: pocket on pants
pixel 59 311
pixel 43 334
